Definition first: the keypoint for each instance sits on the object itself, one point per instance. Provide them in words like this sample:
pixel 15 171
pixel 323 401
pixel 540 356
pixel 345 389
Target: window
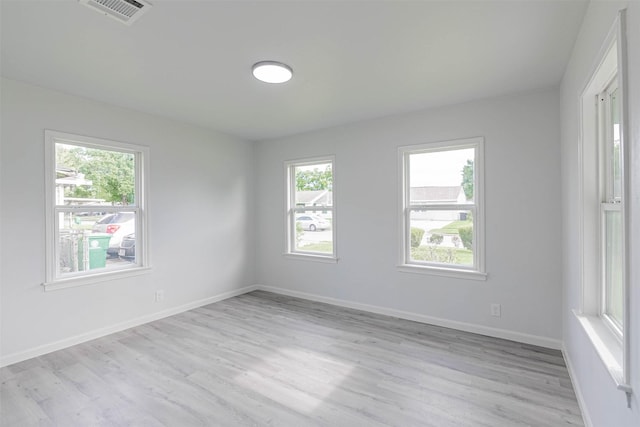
pixel 96 218
pixel 442 225
pixel 611 220
pixel 604 161
pixel 311 217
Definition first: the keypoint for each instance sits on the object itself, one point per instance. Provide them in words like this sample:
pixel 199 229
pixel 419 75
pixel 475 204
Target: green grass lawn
pixel 452 227
pixel 438 254
pixel 324 247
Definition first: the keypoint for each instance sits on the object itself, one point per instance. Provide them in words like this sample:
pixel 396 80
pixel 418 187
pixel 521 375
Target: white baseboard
pixel 576 388
pixel 453 324
pixel 88 336
pixel 462 326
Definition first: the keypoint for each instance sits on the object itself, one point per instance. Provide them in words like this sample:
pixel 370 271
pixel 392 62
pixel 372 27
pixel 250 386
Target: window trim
pixel 405 264
pixel 613 350
pixel 291 210
pixel 55 281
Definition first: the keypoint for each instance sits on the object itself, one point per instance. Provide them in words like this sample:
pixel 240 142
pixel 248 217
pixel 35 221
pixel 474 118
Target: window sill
pixel 94 278
pixel 608 347
pixel 309 257
pixel 442 271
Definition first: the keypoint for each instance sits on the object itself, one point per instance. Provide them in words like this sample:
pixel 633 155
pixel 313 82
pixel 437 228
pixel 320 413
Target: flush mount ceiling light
pixel 272 72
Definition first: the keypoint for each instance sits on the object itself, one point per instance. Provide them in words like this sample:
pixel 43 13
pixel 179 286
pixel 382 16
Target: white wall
pixel 602 404
pixel 523 234
pixel 200 207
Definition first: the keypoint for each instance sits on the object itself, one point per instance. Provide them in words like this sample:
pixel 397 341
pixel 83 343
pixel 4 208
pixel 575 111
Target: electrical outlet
pixel 496 310
pixel 159 296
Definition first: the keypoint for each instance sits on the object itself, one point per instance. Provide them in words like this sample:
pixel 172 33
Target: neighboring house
pixel 443 195
pixel 314 198
pixel 67 179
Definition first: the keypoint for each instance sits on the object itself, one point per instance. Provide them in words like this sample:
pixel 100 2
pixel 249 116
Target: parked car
pixel 117 225
pixel 312 222
pixel 128 247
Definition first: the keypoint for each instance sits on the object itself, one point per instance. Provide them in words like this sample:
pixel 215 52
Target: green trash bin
pixel 97 248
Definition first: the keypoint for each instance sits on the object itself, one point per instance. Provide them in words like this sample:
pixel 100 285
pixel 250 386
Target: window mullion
pixel 441 207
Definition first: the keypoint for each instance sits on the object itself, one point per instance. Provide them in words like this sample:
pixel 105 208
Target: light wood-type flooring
pixel 263 359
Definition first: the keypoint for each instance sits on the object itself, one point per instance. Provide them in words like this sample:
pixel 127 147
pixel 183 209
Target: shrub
pixel 436 238
pixel 416 236
pixel 299 233
pixel 466 235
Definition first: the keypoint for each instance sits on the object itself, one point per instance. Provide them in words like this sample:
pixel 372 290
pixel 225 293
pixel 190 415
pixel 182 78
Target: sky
pixel 438 168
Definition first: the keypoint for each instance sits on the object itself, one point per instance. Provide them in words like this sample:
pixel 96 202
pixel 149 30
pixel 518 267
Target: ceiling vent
pixel 126 11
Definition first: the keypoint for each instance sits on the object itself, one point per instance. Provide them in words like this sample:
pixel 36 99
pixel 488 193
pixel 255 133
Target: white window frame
pixel 291 210
pixel 405 264
pixel 54 278
pixel 610 341
pixel 608 201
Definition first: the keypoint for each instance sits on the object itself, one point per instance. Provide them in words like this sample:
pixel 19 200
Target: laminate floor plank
pixel 263 359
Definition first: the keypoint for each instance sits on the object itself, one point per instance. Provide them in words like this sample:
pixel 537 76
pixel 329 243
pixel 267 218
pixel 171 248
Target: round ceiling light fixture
pixel 272 72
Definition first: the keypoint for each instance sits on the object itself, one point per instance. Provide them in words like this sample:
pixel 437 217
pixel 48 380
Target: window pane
pixel 616 156
pixel 442 236
pixel 94 240
pixel 613 265
pixel 313 185
pixel 313 231
pixel 94 176
pixel 441 177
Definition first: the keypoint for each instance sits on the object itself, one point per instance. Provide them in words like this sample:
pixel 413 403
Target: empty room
pixel 320 213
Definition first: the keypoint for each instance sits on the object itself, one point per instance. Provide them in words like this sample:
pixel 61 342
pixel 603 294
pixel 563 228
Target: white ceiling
pixel 352 60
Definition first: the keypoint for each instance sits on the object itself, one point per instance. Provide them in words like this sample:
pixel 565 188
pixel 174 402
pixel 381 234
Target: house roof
pixel 314 198
pixel 68 176
pixel 435 194
pixel 73 180
pixel 352 60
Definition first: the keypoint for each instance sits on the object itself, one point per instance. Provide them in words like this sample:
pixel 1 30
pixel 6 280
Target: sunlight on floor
pixel 299 379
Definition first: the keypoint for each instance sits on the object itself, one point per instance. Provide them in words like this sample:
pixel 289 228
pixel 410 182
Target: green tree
pixel 69 157
pixel 112 173
pixel 467 179
pixel 316 179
